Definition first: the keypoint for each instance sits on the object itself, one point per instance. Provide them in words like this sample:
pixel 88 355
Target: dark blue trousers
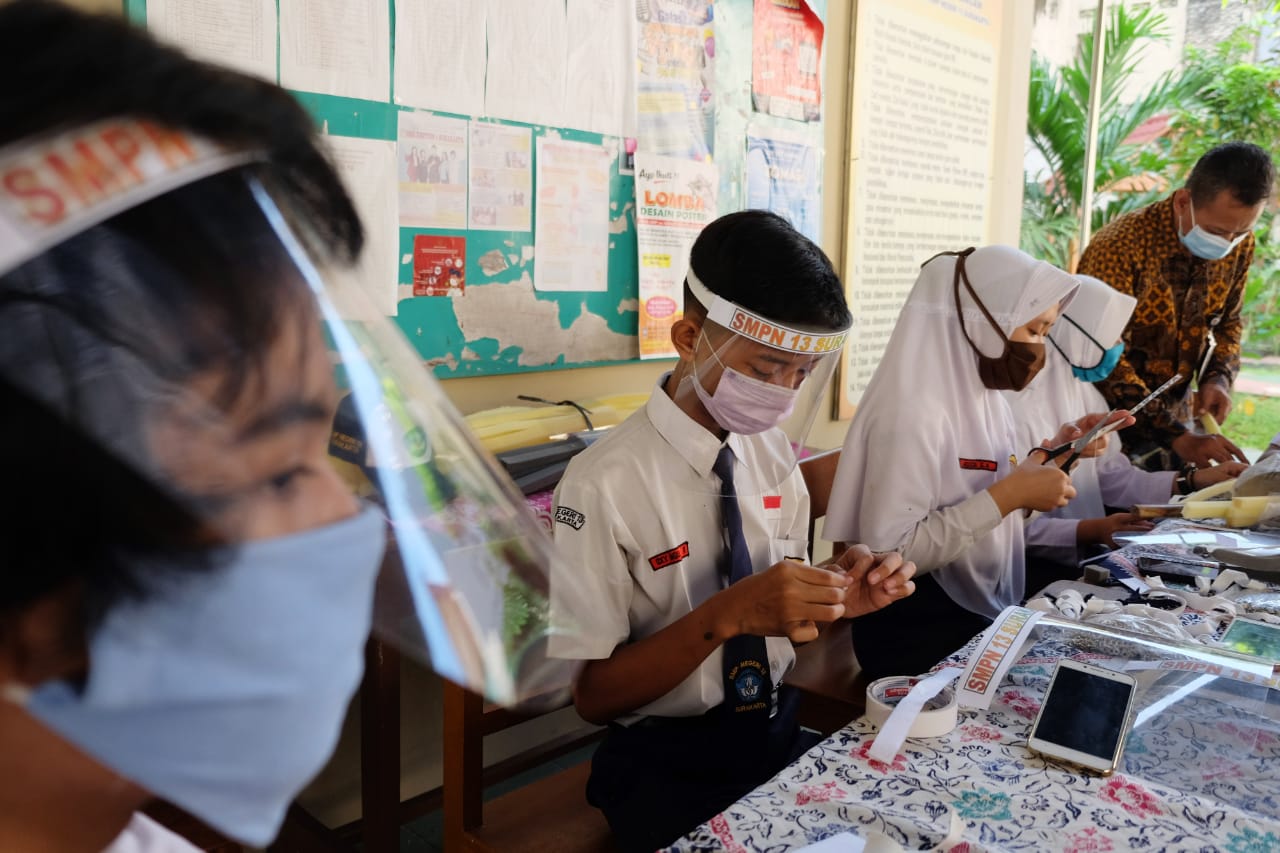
pixel 659 779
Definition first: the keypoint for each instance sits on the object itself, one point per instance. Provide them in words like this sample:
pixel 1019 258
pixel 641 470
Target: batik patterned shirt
pixel 1181 298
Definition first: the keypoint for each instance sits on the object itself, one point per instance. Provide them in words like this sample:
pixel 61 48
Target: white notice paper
pixel 524 80
pixel 440 55
pixel 431 167
pixel 571 241
pixel 239 34
pixel 600 82
pixel 924 97
pixel 336 47
pixel 501 186
pixel 368 169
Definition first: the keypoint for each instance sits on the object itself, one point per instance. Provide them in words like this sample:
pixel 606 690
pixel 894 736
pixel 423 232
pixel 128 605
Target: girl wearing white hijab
pixel 1084 347
pixel 930 466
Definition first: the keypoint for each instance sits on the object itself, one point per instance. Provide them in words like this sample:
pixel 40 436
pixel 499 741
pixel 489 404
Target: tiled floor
pixel 426 834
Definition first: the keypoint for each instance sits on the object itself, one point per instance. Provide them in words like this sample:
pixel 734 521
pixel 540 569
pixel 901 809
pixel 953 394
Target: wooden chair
pixel 833 690
pixel 551 814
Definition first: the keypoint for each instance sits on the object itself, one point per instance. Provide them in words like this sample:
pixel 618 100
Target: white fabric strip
pixel 53 188
pixel 757 328
pixel 1204 668
pixel 996 652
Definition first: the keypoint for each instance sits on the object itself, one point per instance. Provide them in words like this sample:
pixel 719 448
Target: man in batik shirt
pixel 1185 259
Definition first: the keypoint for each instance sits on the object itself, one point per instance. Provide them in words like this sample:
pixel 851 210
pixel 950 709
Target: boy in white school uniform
pixel 683 536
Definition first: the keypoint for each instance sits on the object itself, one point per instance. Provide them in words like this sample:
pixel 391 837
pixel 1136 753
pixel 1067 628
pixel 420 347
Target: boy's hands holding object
pixel 788 599
pixel 878 579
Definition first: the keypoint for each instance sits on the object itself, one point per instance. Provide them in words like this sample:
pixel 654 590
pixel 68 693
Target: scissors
pixel 1101 428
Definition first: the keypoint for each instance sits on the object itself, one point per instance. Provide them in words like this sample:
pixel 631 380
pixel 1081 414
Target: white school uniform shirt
pixel 928 437
pixel 1057 397
pixel 640 539
pixel 144 835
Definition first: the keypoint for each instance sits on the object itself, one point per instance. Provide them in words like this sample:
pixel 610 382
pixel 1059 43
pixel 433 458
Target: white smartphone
pixel 1085 717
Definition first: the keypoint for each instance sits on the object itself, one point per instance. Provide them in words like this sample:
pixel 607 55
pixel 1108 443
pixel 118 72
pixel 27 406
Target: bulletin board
pixel 491 319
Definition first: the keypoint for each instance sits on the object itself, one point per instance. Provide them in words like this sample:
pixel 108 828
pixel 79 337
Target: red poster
pixel 439 265
pixel 786 60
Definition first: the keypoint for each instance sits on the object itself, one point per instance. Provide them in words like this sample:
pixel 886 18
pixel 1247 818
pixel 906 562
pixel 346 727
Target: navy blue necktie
pixel 748 684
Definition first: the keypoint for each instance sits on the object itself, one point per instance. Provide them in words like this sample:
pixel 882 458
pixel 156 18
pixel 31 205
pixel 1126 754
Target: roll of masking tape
pixel 938 717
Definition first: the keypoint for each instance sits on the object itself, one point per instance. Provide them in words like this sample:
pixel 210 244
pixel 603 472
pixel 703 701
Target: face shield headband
pixel 752 326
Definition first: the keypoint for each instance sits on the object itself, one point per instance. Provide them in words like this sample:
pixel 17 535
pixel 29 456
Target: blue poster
pixel 782 176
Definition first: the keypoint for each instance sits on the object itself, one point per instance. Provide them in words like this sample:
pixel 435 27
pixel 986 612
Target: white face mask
pixel 1202 244
pixel 224 694
pixel 744 405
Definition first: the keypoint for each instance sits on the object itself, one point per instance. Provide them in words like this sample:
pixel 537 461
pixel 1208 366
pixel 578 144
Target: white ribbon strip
pixel 1204 668
pixel 750 325
pixel 996 652
pixel 52 188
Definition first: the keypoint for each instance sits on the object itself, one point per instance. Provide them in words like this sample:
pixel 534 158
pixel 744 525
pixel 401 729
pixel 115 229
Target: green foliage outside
pixel 1253 420
pixel 1057 118
pixel 1217 96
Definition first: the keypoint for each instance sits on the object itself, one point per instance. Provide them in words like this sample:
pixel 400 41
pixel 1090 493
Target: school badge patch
pixel 669 558
pixel 571 517
pixel 747 679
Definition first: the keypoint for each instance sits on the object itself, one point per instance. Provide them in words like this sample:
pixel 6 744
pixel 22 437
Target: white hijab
pixel 925 409
pixel 1057 396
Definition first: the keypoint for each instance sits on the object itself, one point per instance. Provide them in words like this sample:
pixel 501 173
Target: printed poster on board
pixel 431 165
pixel 676 198
pixel 786 60
pixel 439 265
pixel 783 176
pixel 675 81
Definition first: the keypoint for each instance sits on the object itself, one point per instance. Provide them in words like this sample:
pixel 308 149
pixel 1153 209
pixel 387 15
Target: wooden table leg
pixel 380 749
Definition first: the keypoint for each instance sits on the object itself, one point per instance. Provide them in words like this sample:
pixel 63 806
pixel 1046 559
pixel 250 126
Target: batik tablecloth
pixel 1201 772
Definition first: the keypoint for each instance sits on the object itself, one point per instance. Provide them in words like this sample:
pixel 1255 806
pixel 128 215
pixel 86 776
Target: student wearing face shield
pixel 188 585
pixel 1185 259
pixel 1084 347
pixel 932 466
pixel 683 536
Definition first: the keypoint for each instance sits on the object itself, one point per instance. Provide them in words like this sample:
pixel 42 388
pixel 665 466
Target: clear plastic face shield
pixel 756 384
pixel 157 297
pixel 1205 707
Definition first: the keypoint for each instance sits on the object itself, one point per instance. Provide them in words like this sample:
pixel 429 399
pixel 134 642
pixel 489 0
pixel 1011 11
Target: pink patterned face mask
pixel 744 405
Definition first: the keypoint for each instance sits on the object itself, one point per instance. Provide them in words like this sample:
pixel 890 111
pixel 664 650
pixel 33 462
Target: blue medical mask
pixel 225 691
pixel 1106 364
pixel 1202 244
pixel 1101 370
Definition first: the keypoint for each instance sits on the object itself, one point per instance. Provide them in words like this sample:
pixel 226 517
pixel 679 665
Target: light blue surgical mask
pixel 224 692
pixel 1202 244
pixel 1101 370
pixel 1106 364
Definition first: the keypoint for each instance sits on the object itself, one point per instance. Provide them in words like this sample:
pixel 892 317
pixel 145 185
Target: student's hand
pixel 788 599
pixel 1202 477
pixel 1075 429
pixel 1204 450
pixel 1214 399
pixel 1099 531
pixel 1032 486
pixel 878 579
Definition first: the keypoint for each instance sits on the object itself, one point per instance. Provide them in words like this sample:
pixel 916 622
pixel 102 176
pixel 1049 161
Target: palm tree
pixel 1057 112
